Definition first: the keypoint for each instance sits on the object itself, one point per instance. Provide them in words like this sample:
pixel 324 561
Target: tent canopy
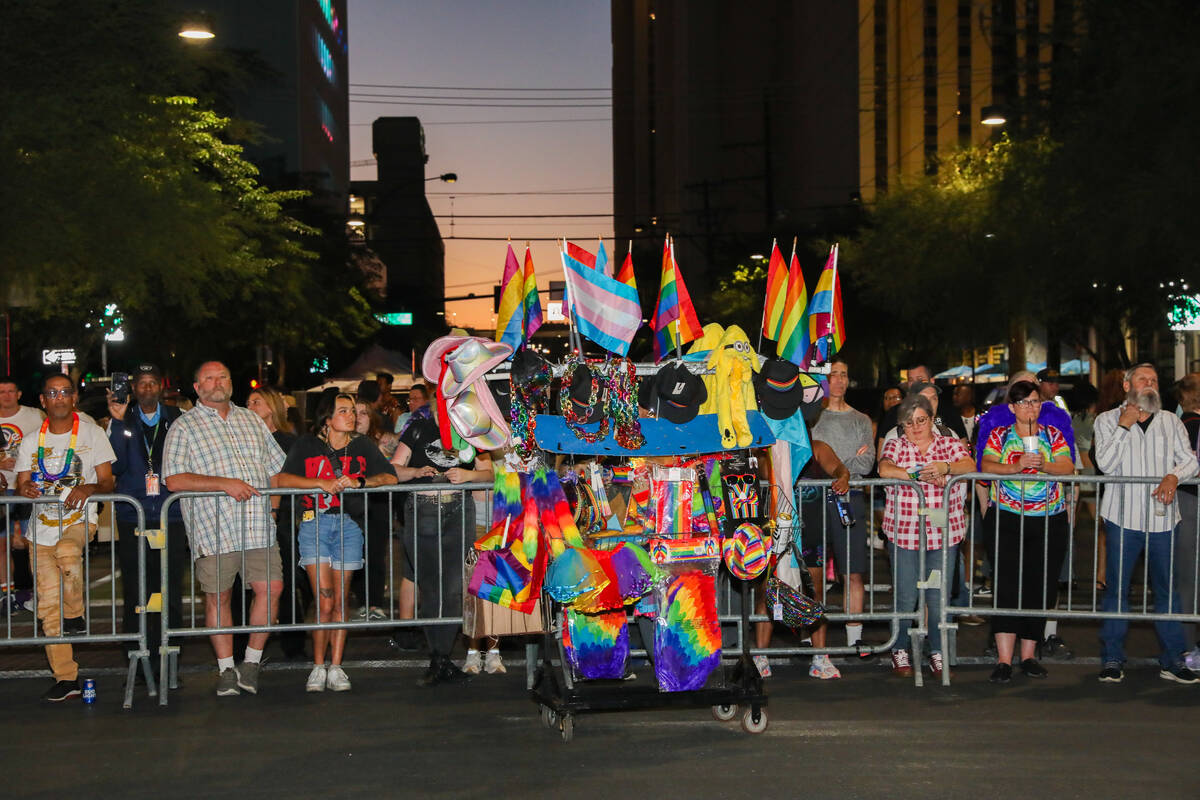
pixel 374 360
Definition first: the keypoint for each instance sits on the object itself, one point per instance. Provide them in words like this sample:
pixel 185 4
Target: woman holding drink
pixel 1026 527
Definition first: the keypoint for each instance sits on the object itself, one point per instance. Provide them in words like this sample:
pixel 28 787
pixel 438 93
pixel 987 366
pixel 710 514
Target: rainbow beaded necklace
pixel 41 453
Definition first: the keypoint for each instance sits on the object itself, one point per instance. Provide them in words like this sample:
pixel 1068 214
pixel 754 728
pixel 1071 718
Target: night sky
pixel 508 48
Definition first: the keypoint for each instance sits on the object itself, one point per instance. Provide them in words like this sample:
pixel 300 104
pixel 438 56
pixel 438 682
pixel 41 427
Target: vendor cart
pixel 736 687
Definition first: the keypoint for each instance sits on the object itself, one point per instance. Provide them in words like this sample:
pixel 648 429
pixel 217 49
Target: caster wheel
pixel 567 727
pixel 750 725
pixel 549 718
pixel 725 713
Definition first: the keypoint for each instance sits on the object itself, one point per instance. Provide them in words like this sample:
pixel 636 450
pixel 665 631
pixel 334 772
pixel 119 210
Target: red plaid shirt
pixel 901 522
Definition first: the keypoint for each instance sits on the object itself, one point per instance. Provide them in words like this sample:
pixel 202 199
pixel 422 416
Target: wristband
pixel 362 482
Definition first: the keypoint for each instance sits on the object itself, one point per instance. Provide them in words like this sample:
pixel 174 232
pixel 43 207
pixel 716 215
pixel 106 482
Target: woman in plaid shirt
pixel 922 454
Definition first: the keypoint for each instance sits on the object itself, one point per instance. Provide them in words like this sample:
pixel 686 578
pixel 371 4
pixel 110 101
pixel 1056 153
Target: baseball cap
pixel 1050 375
pixel 580 393
pixel 678 394
pixel 146 369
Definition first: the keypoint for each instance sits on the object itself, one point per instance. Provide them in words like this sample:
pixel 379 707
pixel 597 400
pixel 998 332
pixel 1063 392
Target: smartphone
pixel 120 387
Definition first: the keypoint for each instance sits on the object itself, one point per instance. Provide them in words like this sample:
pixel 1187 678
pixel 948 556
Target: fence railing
pixel 62 563
pixel 412 573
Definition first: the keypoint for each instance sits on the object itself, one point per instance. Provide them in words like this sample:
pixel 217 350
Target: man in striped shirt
pixel 1138 439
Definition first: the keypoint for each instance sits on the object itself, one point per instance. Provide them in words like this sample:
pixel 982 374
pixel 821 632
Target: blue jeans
pixel 1123 548
pixel 905 564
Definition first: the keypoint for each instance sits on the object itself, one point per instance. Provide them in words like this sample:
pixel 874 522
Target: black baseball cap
pixel 780 391
pixel 146 369
pixel 1049 375
pixel 678 394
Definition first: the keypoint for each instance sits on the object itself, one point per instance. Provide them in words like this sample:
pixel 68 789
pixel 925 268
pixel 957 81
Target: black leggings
pixel 1023 570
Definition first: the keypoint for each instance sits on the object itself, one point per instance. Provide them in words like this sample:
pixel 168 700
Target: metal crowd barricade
pixel 414 502
pixel 879 588
pixel 1067 607
pixel 25 632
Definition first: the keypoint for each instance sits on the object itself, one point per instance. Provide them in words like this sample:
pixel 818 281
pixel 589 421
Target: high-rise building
pixel 297 91
pixel 734 122
pixel 391 216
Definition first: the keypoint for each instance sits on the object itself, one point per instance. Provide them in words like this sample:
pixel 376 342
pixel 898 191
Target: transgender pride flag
pixel 605 310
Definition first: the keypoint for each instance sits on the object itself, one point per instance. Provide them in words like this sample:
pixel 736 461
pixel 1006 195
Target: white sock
pixel 225 663
pixel 853 634
pixel 253 656
pixel 806 640
pixel 495 651
pixel 470 651
pixel 1051 628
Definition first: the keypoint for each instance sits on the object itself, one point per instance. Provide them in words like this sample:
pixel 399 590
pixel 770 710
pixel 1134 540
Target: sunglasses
pixel 59 394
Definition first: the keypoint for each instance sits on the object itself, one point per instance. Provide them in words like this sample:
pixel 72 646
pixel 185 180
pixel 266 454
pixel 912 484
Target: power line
pixel 497 121
pixel 468 97
pixel 476 105
pixel 485 88
pixel 534 192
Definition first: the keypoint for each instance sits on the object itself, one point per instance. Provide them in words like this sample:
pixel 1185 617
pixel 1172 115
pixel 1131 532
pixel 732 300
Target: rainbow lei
pixel 618 400
pixel 528 400
pixel 41 453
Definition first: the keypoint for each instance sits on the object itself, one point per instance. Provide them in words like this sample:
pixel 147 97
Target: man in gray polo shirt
pixel 220 447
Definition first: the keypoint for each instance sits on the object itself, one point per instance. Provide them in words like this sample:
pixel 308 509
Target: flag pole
pixel 765 298
pixel 573 333
pixel 678 280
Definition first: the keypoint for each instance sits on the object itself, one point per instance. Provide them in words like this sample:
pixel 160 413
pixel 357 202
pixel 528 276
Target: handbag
pixel 791 605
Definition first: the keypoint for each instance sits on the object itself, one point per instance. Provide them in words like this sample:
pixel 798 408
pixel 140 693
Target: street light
pixel 196 28
pixel 993 115
pixel 448 177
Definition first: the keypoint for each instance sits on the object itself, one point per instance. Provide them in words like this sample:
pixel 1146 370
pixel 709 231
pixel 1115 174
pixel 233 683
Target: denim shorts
pixel 333 539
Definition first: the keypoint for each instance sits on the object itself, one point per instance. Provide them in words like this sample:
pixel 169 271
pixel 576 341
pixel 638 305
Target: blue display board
pixel 663 438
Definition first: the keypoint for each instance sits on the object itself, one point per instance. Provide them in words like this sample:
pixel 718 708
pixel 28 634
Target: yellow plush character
pixel 710 338
pixel 734 363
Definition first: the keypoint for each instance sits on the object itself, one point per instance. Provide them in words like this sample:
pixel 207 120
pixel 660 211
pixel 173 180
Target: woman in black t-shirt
pixel 331 524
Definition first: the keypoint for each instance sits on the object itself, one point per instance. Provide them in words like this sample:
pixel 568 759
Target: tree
pixel 116 187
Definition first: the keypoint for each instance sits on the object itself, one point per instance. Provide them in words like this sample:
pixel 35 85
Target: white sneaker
pixel 493 665
pixel 336 679
pixel 763 665
pixel 473 663
pixel 1191 659
pixel 316 679
pixel 823 669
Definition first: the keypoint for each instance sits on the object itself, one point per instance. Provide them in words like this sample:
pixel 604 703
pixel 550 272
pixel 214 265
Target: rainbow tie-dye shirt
pixel 1033 498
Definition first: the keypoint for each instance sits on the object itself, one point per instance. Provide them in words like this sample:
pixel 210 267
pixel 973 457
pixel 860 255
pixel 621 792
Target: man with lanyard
pixel 137 436
pixel 16 422
pixel 221 447
pixel 69 460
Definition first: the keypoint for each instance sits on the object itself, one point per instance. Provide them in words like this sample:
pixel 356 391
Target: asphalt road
pixel 867 735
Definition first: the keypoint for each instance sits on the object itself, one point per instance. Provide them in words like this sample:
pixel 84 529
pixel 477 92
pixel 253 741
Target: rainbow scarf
pixel 687 638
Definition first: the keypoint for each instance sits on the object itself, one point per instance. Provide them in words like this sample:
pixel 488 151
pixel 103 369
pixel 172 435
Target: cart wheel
pixel 752 725
pixel 549 717
pixel 725 713
pixel 567 726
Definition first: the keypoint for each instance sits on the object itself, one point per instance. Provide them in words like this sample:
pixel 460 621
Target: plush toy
pixel 710 338
pixel 734 363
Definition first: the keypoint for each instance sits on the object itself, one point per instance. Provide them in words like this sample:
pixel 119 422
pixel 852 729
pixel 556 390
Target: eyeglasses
pixel 1028 402
pixel 915 421
pixel 59 394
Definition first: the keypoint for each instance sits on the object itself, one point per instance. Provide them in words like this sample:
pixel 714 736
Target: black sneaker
pixel 74 626
pixel 431 672
pixel 1055 649
pixel 1180 674
pixel 1112 673
pixel 61 691
pixel 1032 668
pixel 450 673
pixel 1001 674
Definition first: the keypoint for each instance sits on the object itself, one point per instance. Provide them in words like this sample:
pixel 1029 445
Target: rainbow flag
pixel 625 274
pixel 510 319
pixel 674 305
pixel 605 310
pixel 531 301
pixel 826 328
pixel 792 342
pixel 777 280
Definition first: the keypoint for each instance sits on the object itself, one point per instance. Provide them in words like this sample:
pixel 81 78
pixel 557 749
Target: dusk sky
pixel 480 54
